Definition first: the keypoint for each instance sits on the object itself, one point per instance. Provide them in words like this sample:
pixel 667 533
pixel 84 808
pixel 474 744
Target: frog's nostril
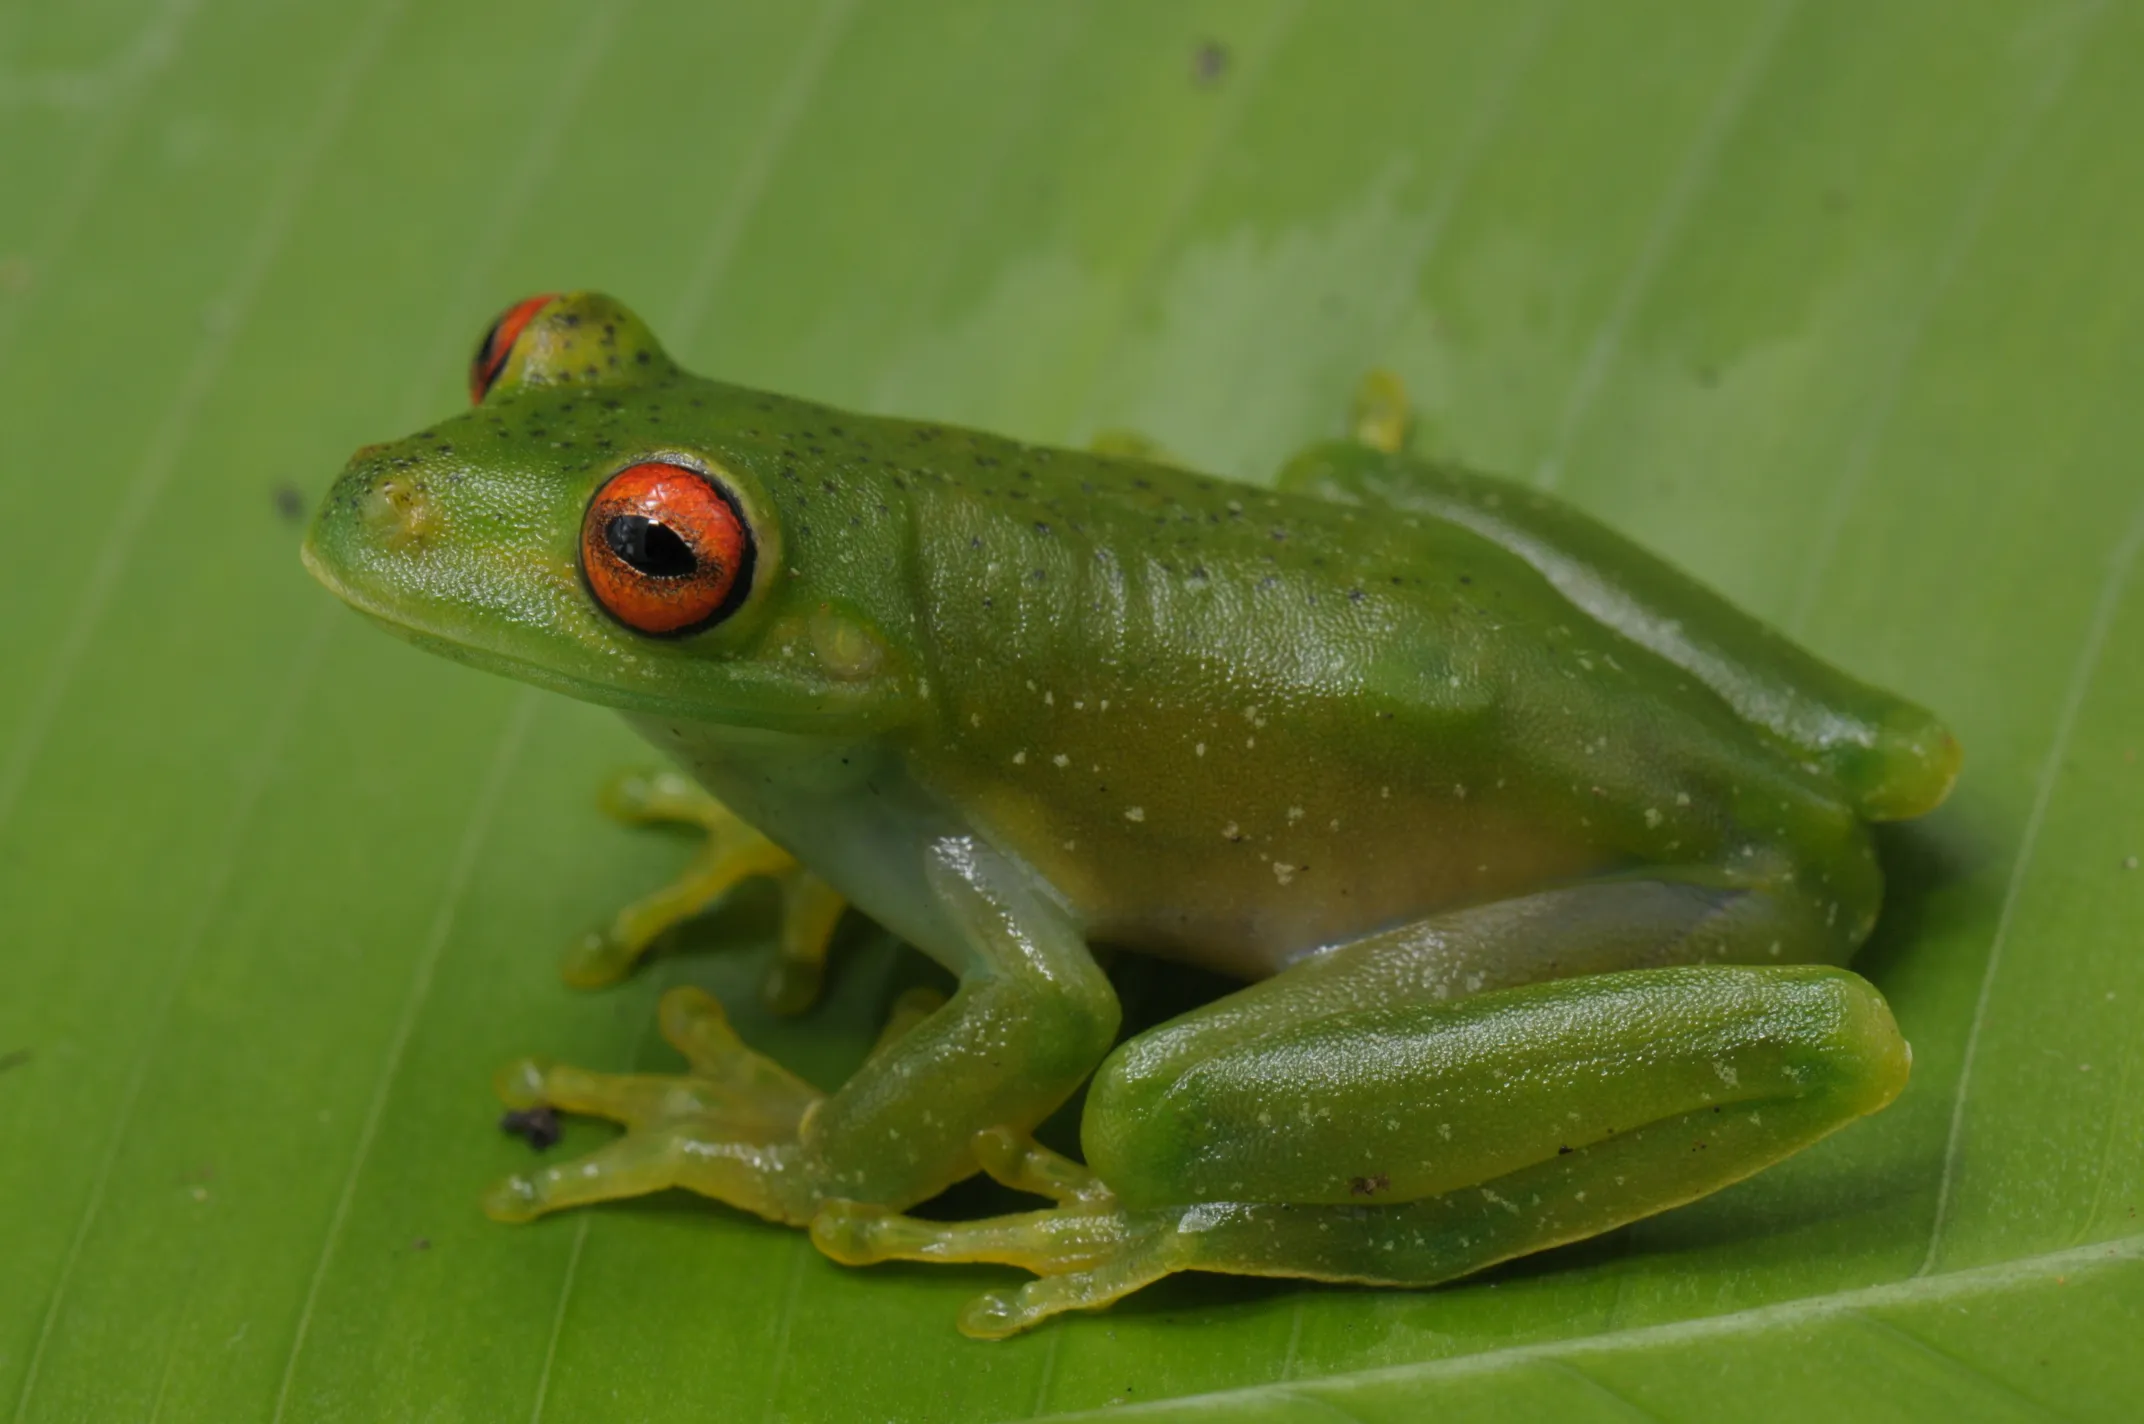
pixel 399 512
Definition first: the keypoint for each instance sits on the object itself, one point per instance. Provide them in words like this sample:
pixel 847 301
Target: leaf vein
pixel 274 737
pixel 2088 658
pixel 1890 384
pixel 474 833
pixel 1697 169
pixel 1979 1280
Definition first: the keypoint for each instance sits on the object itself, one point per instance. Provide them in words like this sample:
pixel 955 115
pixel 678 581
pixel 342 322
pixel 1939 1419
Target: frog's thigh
pixel 1408 1101
pixel 1671 916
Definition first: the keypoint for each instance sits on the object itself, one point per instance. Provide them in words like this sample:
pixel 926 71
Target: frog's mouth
pixel 488 659
pixel 837 709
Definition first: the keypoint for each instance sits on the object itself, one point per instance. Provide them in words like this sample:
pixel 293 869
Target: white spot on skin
pixel 1727 1073
pixel 1250 742
pixel 1061 759
pixel 1652 817
pixel 1231 832
pixel 1295 813
pixel 1199 749
pixel 975 719
pixel 1444 1130
pixel 1284 873
pixel 1682 798
pixel 1135 813
pixel 1049 699
pixel 1019 758
pixel 1385 792
pixel 1105 704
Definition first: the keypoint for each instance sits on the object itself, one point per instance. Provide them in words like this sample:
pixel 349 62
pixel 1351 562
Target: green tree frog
pixel 1538 860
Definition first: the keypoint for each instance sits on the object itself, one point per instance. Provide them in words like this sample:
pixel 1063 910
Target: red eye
pixel 665 550
pixel 498 344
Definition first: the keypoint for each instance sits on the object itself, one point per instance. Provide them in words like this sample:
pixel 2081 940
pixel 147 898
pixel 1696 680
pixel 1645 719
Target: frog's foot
pixel 1088 1251
pixel 1130 445
pixel 1379 417
pixel 727 1129
pixel 733 852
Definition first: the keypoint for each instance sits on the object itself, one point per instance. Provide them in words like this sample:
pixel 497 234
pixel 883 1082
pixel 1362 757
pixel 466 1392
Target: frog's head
pixel 606 525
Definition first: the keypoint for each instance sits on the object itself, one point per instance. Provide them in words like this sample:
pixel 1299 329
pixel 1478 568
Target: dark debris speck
pixel 537 1126
pixel 1209 63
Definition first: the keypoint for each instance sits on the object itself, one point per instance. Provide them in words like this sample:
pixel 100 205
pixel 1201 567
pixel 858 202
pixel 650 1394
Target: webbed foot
pixel 733 852
pixel 1087 1251
pixel 726 1129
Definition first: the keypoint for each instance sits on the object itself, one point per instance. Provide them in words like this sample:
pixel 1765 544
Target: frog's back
pixel 1237 724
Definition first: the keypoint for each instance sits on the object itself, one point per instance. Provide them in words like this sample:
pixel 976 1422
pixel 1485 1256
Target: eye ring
pixel 498 344
pixel 666 550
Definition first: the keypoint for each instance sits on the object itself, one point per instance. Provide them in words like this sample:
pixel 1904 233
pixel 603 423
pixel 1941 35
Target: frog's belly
pixel 1248 899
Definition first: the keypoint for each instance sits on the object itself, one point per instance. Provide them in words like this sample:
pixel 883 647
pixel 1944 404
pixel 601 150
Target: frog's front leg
pixel 1346 1121
pixel 733 852
pixel 1030 1019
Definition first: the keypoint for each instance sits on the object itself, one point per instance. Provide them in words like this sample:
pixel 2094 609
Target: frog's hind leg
pixel 1342 1121
pixel 732 852
pixel 1891 757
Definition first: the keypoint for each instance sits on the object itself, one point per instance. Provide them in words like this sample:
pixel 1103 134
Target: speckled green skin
pixel 1012 700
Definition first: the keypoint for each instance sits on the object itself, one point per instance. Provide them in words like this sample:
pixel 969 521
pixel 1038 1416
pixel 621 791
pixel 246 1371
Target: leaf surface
pixel 1838 306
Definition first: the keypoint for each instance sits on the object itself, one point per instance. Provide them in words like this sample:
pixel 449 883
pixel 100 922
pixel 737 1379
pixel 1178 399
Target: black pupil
pixel 652 548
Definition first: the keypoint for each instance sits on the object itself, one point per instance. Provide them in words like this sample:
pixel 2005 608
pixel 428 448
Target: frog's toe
pixel 641 797
pixel 1129 445
pixel 995 1315
pixel 520 1084
pixel 1086 1257
pixel 701 1157
pixel 634 1164
pixel 811 909
pixel 1379 417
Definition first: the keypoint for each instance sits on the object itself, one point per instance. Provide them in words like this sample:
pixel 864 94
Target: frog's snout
pixel 398 512
pixel 381 504
pixel 389 500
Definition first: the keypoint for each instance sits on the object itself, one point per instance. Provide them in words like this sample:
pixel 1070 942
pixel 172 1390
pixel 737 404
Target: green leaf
pixel 1838 305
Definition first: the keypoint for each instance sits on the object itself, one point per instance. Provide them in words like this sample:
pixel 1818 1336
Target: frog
pixel 1532 866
